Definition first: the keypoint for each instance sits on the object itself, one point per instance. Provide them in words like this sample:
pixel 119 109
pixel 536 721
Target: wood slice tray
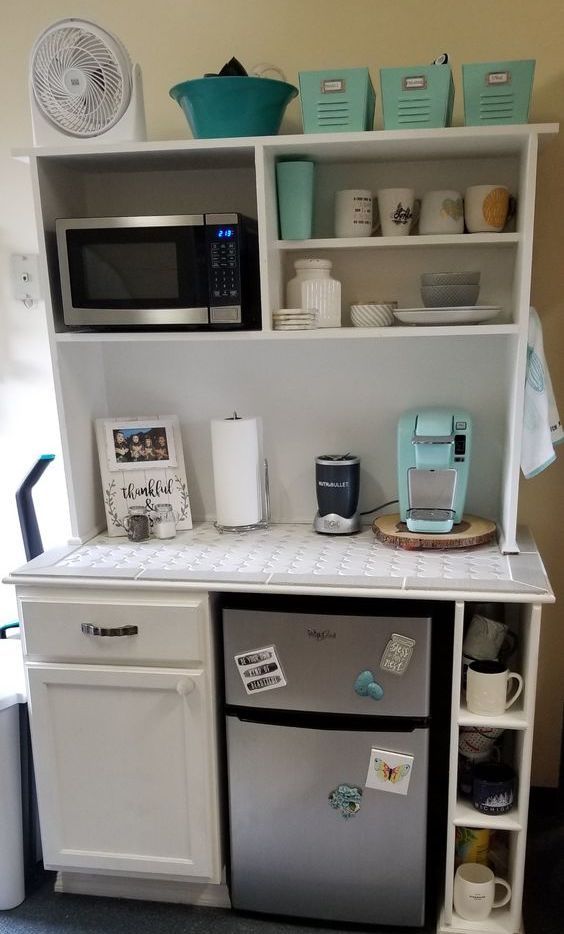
pixel 472 531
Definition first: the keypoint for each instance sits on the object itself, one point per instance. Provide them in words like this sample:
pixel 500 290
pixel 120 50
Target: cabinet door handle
pixel 186 686
pixel 89 629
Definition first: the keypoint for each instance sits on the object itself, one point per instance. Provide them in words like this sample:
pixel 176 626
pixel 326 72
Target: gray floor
pixel 44 912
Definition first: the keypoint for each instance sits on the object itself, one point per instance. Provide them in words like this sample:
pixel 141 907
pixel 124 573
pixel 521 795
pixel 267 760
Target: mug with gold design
pixel 486 208
pixel 442 212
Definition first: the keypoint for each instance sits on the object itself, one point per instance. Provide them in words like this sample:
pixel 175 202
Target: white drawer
pixel 135 633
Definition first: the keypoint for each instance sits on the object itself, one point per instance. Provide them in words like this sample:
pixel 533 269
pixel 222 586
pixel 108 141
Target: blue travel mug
pixel 294 184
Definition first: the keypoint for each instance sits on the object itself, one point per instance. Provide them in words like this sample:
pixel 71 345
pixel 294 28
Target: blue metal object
pixel 26 511
pixel 497 92
pixel 417 97
pixel 339 100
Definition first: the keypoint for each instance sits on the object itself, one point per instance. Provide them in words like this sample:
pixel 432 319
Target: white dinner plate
pixel 462 314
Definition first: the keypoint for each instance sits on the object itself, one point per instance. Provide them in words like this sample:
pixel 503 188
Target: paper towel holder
pixel 264 521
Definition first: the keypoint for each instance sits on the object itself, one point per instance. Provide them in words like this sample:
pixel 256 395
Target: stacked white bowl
pixel 450 289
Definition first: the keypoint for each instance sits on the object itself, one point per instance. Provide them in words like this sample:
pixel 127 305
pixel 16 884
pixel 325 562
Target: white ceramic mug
pixel 487 682
pixel 353 213
pixel 398 211
pixel 474 891
pixel 486 208
pixel 442 212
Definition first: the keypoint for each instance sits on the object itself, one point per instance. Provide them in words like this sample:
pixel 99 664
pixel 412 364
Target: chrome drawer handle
pixel 89 629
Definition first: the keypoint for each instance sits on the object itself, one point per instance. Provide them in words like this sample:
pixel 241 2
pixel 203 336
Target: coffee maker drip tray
pixel 431 515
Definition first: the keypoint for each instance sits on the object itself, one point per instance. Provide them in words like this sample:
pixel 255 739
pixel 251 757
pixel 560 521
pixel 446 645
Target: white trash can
pixel 12 693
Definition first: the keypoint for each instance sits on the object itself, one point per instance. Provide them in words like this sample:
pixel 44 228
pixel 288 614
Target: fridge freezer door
pixel 324 657
pixel 293 853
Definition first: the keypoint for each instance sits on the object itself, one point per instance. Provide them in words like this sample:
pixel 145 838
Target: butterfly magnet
pixel 389 771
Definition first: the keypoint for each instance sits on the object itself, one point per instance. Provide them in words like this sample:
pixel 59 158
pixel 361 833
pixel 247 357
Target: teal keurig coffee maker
pixel 434 447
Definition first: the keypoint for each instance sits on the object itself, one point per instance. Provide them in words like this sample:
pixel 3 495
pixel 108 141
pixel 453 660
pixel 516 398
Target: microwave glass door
pixel 136 268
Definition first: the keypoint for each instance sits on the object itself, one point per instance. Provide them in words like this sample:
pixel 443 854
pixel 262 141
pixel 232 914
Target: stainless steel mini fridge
pixel 327 720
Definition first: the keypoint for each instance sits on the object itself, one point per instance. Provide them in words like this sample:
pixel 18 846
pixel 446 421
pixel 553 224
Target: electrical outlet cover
pixel 25 277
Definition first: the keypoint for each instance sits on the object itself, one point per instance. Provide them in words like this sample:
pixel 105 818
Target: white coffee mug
pixel 442 212
pixel 487 683
pixel 398 211
pixel 353 213
pixel 474 891
pixel 486 208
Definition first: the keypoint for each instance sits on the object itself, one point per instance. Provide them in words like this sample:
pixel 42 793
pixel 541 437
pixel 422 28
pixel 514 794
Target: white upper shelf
pixel 458 142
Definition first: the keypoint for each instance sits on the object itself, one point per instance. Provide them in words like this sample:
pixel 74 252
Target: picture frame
pixel 142 464
pixel 127 443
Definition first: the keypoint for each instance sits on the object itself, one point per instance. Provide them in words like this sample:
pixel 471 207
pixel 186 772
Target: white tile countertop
pixel 293 558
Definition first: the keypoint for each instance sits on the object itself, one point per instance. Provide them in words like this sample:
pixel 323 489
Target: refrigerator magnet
pixel 397 654
pixel 389 771
pixel 260 670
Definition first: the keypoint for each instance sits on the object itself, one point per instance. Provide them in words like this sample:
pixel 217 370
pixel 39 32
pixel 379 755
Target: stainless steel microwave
pixel 196 271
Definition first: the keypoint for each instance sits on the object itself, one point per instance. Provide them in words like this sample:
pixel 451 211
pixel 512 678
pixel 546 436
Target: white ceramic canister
pixel 313 287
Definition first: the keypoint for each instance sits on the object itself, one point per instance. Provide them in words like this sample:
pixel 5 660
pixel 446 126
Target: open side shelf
pixel 416 241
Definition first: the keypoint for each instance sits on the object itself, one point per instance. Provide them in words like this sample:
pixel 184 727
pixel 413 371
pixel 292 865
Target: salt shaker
pixel 313 287
pixel 164 521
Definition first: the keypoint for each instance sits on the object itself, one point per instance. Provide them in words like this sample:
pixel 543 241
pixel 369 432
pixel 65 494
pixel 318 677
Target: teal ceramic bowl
pixel 238 106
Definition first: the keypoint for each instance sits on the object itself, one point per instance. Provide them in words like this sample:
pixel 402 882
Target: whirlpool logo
pixel 321 634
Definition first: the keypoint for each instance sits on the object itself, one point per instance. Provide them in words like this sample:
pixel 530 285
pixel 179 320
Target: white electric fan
pixel 83 85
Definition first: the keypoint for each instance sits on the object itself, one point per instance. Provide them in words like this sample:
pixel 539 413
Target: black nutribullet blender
pixel 337 485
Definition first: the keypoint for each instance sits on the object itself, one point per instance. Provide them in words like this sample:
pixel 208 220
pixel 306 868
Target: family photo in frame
pixel 142 464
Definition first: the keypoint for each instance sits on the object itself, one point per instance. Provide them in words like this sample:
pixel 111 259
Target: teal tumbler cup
pixel 294 184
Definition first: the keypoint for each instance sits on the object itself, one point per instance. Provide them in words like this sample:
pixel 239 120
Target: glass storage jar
pixel 313 287
pixel 164 521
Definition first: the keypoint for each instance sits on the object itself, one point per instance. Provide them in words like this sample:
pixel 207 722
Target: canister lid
pixel 313 264
pixel 337 460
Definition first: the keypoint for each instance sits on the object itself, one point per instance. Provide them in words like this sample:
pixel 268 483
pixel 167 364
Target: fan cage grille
pixel 102 68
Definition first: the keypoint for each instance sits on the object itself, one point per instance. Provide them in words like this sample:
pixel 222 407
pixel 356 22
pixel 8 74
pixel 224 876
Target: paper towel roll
pixel 237 470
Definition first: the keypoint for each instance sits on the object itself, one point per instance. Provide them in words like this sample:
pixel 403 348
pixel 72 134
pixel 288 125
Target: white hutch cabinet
pixel 334 388
pixel 120 726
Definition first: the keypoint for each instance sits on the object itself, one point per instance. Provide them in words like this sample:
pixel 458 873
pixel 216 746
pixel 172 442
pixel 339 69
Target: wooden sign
pixel 142 464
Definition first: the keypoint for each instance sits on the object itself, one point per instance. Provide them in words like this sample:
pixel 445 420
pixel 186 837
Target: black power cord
pixel 378 508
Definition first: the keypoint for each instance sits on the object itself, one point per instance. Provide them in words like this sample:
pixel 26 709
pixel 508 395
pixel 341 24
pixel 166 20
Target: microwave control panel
pixel 224 270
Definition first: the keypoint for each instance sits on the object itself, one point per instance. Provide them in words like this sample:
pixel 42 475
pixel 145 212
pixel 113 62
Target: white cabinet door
pixel 125 768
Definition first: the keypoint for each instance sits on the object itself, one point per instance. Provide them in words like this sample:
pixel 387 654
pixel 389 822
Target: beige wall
pixel 178 39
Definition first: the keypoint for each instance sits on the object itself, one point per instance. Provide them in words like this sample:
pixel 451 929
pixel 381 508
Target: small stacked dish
pixel 450 289
pixel 373 314
pixel 294 319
